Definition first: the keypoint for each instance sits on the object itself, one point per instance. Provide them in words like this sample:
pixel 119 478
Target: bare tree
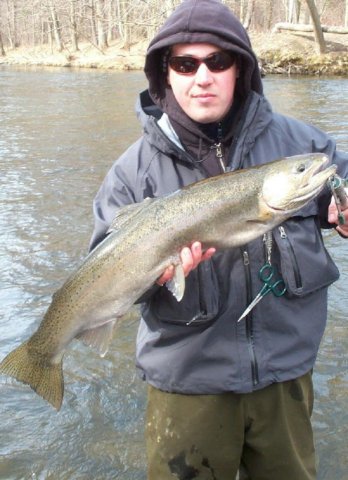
pixel 12 23
pixel 2 50
pixel 73 24
pixel 101 24
pixel 65 23
pixel 270 8
pixel 55 24
pixel 294 11
pixel 248 13
pixel 318 32
pixel 122 22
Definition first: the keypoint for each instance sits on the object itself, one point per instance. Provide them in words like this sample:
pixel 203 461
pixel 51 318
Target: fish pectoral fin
pixel 126 213
pixel 98 337
pixel 177 284
pixel 45 378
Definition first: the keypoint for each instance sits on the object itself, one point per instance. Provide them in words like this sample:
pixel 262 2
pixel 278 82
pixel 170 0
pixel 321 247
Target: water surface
pixel 60 132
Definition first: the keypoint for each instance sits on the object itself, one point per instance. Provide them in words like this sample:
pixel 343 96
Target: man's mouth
pixel 203 95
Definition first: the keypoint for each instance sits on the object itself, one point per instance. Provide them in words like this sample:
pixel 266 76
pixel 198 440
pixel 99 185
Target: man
pixel 224 396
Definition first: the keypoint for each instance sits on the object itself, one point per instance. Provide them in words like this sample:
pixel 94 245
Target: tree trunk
pixel 110 21
pixel 56 26
pixel 101 30
pixel 242 10
pixel 73 26
pixel 9 26
pixel 123 23
pixel 269 9
pixel 2 50
pixel 294 12
pixel 302 27
pixel 248 14
pixel 318 32
pixel 94 39
pixel 14 21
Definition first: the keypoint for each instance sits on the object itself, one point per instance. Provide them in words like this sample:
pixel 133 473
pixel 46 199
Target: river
pixel 61 130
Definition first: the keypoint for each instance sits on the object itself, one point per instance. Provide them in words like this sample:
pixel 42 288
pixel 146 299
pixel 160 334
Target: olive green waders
pixel 266 434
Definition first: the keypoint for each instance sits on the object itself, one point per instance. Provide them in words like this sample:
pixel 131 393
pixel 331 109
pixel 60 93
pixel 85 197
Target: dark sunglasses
pixel 216 62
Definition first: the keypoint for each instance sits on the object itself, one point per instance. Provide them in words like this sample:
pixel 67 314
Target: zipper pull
pixel 268 242
pixel 282 232
pixel 219 155
pixel 193 319
pixel 218 147
pixel 246 258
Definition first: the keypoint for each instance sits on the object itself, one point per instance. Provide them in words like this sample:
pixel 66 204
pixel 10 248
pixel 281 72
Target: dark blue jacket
pixel 213 353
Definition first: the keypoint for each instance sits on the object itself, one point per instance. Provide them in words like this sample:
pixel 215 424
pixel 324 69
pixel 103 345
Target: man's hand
pixel 333 218
pixel 190 258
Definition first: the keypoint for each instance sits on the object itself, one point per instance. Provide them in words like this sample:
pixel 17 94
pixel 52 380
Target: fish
pixel 225 211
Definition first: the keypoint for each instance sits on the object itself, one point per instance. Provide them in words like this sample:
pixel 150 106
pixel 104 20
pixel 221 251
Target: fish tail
pixel 46 379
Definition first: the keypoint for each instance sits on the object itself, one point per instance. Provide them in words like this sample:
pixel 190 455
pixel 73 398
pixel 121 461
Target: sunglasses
pixel 216 62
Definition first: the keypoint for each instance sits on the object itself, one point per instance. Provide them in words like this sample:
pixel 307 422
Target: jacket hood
pixel 201 21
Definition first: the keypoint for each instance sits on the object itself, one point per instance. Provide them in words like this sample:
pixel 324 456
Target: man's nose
pixel 203 75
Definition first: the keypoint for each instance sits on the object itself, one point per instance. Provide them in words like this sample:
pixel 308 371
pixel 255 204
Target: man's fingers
pixel 208 253
pixel 196 251
pixel 167 275
pixel 342 230
pixel 332 216
pixel 190 258
pixel 187 260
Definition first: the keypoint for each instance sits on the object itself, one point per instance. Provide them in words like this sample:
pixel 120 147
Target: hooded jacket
pixel 196 346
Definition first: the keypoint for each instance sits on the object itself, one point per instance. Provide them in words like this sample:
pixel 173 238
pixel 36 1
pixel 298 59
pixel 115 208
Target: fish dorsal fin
pixel 99 337
pixel 177 284
pixel 126 213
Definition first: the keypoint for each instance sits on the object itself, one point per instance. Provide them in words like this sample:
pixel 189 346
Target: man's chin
pixel 206 117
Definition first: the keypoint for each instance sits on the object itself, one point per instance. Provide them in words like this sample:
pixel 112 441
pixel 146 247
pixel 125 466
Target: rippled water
pixel 60 132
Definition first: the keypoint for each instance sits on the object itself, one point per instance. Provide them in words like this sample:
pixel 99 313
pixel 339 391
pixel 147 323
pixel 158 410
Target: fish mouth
pixel 309 177
pixel 316 182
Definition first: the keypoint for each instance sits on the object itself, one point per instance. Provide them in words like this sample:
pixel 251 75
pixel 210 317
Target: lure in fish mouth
pixel 297 183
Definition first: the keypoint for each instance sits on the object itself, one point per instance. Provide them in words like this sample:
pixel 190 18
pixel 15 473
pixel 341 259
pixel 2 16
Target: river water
pixel 60 130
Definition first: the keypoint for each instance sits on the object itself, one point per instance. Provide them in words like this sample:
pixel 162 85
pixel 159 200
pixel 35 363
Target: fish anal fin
pixel 45 378
pixel 177 284
pixel 98 337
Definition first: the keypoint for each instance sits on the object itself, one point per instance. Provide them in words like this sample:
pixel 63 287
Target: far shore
pixel 278 53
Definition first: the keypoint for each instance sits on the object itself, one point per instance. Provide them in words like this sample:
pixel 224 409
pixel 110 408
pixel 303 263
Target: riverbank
pixel 281 53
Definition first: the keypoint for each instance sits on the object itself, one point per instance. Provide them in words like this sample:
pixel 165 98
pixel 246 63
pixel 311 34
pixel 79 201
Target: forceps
pixel 278 288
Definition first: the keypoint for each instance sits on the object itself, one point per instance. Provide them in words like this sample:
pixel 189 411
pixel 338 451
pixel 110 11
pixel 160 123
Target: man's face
pixel 205 96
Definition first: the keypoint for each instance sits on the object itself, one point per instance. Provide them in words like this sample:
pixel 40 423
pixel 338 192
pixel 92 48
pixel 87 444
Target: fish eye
pixel 301 168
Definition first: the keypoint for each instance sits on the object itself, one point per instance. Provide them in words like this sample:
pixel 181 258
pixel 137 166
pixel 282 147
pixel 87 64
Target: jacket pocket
pixel 199 305
pixel 306 265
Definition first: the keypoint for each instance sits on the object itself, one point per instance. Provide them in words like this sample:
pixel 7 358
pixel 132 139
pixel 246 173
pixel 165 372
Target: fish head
pixel 292 182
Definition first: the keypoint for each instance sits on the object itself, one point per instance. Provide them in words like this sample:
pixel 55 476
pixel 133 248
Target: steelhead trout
pixel 225 211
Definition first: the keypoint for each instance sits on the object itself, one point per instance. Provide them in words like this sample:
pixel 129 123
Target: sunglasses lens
pixel 216 62
pixel 184 64
pixel 219 61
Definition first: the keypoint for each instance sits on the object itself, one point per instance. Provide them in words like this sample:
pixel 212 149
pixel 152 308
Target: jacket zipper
pixel 203 310
pixel 294 263
pixel 218 150
pixel 249 321
pixel 220 156
pixel 202 303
